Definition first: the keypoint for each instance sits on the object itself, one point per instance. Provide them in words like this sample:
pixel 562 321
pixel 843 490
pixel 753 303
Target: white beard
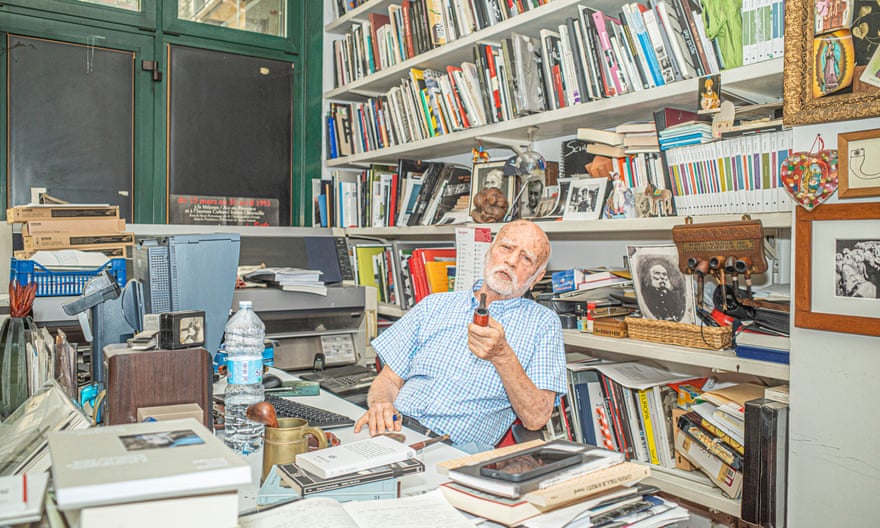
pixel 502 286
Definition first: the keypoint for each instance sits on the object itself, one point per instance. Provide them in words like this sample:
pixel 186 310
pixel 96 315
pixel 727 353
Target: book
pixel 354 456
pixel 406 512
pixel 198 511
pixel 592 459
pixel 276 491
pixel 574 155
pixel 21 497
pixel 141 461
pixel 608 137
pixel 305 483
pixel 766 467
pixel 761 339
pixel 668 116
pixel 722 475
pixel 513 512
pixel 588 485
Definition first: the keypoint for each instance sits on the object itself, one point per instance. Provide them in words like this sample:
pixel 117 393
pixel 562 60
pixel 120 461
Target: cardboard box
pixel 24 213
pixel 88 226
pixel 69 241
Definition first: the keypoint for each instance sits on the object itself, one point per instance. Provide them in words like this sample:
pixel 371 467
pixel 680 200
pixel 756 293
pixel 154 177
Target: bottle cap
pixel 245 304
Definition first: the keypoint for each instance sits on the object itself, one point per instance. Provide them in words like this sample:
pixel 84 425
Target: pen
pixel 425 443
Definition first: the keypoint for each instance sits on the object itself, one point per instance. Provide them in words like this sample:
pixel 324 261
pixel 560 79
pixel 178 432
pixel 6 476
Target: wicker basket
pixel 710 337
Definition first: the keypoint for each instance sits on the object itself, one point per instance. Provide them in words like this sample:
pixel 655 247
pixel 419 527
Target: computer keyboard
pixel 343 381
pixel 322 418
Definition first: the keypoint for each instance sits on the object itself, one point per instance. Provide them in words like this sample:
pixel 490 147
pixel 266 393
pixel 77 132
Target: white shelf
pixel 341 24
pixel 694 488
pixel 390 310
pixel 718 360
pixel 765 77
pixel 577 229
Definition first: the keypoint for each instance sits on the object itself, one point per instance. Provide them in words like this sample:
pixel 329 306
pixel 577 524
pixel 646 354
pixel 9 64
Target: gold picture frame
pixel 799 105
pixel 858 152
pixel 830 295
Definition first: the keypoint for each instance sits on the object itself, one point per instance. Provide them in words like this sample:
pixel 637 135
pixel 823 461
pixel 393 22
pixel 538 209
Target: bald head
pixel 532 235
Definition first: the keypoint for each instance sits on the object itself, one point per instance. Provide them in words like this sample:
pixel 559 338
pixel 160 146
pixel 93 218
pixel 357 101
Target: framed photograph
pixel 663 291
pixel 823 70
pixel 838 268
pixel 859 163
pixel 491 174
pixel 585 198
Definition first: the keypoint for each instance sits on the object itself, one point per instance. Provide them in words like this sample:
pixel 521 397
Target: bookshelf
pixel 763 77
pixel 759 82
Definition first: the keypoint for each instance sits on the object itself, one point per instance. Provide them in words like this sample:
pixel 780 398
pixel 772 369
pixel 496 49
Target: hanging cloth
pixel 723 20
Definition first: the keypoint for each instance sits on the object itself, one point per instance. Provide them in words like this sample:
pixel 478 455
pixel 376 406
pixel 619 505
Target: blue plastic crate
pixel 62 283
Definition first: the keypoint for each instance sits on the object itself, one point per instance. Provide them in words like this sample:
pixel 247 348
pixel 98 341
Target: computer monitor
pixel 190 272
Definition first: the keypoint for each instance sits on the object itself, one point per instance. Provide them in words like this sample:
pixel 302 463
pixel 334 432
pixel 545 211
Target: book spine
pixel 648 426
pixel 588 485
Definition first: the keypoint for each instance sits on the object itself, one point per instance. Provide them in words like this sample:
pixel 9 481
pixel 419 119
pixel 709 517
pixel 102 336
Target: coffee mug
pixel 281 444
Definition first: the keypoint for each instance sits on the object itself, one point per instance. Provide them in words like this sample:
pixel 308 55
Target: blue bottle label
pixel 244 371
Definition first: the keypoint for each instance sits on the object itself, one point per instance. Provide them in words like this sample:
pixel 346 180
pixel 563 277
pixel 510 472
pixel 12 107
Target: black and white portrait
pixel 663 291
pixel 491 174
pixel 585 198
pixel 857 268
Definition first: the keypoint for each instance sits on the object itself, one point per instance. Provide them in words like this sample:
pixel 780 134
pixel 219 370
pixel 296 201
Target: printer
pixel 308 328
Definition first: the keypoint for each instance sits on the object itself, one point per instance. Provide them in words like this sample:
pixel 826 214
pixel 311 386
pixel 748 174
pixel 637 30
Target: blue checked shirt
pixel 449 389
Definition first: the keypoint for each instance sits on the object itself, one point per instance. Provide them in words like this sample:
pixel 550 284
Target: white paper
pixel 471 246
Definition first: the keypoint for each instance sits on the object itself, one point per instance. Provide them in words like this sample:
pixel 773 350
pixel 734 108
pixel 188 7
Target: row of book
pixel 411 193
pixel 736 175
pixel 591 56
pixel 403 273
pixel 763 25
pixel 414 27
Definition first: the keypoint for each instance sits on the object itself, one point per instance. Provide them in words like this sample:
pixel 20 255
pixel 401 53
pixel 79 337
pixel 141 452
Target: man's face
pixel 493 179
pixel 659 277
pixel 534 195
pixel 513 262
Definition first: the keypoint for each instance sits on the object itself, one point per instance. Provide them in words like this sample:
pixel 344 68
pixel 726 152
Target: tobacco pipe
pixel 730 267
pixel 262 412
pixel 716 264
pixel 744 266
pixel 481 314
pixel 698 267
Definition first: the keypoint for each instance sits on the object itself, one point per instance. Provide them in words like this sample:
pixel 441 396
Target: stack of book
pixel 558 479
pixel 71 226
pixel 685 133
pixel 344 473
pixel 763 346
pixel 291 482
pixel 289 279
pixel 712 436
pixel 164 473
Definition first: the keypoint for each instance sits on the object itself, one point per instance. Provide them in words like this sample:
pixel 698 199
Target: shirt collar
pixel 500 305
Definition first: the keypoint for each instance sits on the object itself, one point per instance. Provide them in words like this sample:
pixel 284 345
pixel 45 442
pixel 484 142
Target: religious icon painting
pixel 831 15
pixel 833 62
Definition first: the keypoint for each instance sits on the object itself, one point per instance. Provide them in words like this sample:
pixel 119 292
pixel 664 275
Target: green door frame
pixel 72 21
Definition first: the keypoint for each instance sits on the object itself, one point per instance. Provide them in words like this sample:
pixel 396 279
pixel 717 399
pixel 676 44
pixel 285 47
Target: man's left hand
pixel 488 342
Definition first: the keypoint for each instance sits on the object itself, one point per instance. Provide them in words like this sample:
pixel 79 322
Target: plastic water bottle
pixel 244 364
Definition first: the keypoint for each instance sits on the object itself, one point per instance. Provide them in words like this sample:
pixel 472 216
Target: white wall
pixel 834 470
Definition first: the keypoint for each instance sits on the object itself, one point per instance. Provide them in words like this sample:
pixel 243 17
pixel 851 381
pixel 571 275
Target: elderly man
pixel 448 375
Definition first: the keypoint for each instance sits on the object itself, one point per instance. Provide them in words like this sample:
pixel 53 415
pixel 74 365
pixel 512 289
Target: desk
pixel 409 484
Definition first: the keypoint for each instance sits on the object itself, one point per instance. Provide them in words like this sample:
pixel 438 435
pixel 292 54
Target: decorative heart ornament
pixel 810 177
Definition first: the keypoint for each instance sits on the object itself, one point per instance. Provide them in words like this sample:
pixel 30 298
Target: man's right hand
pixel 381 417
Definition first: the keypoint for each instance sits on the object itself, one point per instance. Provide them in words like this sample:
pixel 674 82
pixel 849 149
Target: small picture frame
pixel 664 293
pixel 858 163
pixel 837 273
pixel 586 197
pixel 491 174
pixel 709 92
